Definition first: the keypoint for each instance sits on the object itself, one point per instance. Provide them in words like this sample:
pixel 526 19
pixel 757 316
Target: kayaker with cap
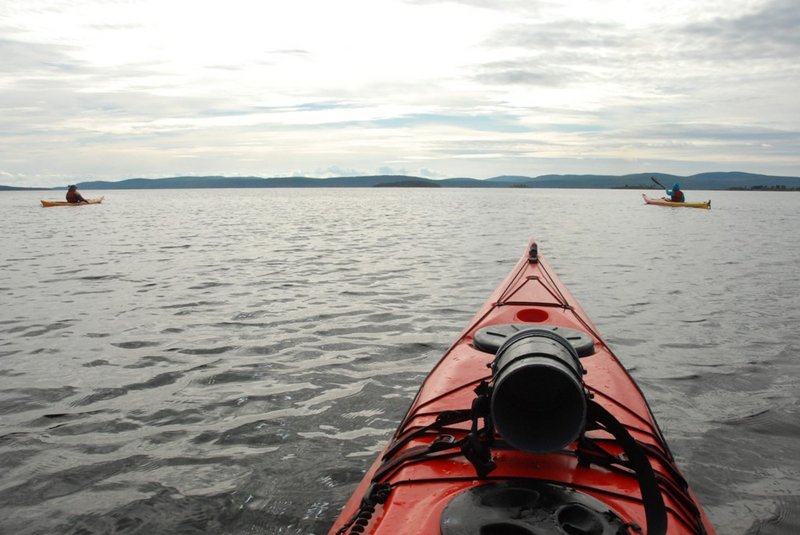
pixel 675 194
pixel 73 196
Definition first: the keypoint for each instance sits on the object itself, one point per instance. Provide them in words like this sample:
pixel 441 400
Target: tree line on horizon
pixel 702 181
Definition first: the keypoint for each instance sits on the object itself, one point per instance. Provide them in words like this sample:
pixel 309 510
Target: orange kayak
pixel 49 204
pixel 662 202
pixel 528 425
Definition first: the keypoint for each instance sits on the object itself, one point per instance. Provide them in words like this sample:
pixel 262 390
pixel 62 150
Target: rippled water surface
pixel 207 361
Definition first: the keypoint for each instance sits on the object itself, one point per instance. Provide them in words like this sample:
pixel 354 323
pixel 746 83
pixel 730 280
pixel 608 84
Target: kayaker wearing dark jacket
pixel 73 196
pixel 675 194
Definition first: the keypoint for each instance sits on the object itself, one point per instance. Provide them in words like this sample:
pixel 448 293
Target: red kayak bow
pixel 528 425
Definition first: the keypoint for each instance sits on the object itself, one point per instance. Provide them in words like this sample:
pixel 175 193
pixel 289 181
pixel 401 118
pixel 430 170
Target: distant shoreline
pixel 720 181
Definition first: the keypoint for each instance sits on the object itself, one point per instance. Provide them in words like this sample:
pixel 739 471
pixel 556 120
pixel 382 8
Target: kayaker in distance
pixel 675 194
pixel 73 196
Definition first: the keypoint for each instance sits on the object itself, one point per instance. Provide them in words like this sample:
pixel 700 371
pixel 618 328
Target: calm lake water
pixel 231 361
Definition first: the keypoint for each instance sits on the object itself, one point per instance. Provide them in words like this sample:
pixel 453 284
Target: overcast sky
pixel 114 89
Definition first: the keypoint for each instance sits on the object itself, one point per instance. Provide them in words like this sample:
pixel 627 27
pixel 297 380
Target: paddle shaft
pixel 659 183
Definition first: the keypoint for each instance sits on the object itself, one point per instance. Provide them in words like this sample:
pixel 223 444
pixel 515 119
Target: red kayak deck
pixel 416 483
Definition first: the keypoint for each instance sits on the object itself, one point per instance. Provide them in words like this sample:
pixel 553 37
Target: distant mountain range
pixel 702 181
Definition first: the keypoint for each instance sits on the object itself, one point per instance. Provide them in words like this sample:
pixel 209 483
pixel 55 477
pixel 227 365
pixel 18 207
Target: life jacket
pixel 74 196
pixel 677 196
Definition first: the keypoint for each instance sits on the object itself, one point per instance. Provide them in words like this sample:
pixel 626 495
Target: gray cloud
pixel 563 52
pixel 772 32
pixel 31 59
pixel 516 6
pixel 531 72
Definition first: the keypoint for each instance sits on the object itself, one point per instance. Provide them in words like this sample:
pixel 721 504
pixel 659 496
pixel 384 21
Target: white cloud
pixel 113 89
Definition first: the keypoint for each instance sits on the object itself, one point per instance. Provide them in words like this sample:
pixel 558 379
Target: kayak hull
pixel 50 204
pixel 662 202
pixel 416 484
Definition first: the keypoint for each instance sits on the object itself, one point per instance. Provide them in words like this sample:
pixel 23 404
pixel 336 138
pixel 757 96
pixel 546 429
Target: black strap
pixel 376 494
pixel 443 420
pixel 442 443
pixel 476 448
pixel 655 511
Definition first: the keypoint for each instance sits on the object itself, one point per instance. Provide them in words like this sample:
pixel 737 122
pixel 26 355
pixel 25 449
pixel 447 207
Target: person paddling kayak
pixel 675 194
pixel 73 196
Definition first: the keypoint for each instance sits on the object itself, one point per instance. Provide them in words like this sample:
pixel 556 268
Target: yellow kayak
pixel 662 202
pixel 48 204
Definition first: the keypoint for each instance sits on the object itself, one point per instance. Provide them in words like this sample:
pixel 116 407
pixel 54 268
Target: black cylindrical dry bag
pixel 538 402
